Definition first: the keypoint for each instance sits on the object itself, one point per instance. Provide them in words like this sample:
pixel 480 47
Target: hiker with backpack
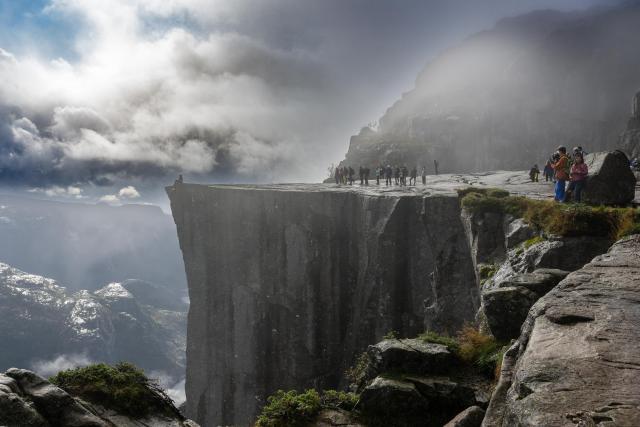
pixel 578 176
pixel 561 168
pixel 534 173
pixel 548 171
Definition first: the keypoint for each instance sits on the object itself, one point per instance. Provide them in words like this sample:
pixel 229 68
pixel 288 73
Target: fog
pixel 134 93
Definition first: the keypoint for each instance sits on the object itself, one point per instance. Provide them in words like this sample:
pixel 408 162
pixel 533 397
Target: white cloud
pixel 47 368
pixel 128 192
pixel 174 388
pixel 109 198
pixel 57 191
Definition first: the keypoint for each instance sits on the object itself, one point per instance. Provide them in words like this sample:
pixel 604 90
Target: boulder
pixel 539 282
pixel 447 396
pixel 409 356
pixel 55 405
pixel 470 417
pixel 335 417
pixel 392 397
pixel 576 361
pixel 14 409
pixel 518 231
pixel 610 180
pixel 506 308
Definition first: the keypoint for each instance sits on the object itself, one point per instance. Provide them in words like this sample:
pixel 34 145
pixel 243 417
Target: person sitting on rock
pixel 578 177
pixel 561 168
pixel 534 173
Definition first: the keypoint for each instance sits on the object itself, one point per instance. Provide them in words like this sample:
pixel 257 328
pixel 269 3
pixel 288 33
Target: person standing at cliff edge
pixel 578 176
pixel 388 173
pixel 562 174
pixel 424 176
pixel 435 164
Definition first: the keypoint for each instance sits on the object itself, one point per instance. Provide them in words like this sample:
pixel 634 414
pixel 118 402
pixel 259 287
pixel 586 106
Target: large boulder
pixel 409 356
pixel 610 180
pixel 470 417
pixel 576 361
pixel 392 397
pixel 506 309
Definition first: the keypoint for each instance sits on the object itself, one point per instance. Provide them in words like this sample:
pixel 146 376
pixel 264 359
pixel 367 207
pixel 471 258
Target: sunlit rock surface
pixel 576 361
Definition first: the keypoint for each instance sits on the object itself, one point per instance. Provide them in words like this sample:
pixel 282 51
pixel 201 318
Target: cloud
pixel 57 191
pixel 128 192
pixel 215 90
pixel 174 388
pixel 47 368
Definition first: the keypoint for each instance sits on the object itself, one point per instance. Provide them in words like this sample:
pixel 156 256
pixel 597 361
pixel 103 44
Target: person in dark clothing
pixel 414 176
pixel 388 173
pixel 179 181
pixel 361 174
pixel 378 172
pixel 403 175
pixel 534 173
pixel 435 164
pixel 351 175
pixel 424 176
pixel 396 175
pixel 548 171
pixel 366 173
pixel 337 176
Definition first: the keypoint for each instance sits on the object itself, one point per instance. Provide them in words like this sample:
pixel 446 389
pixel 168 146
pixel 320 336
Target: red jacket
pixel 579 171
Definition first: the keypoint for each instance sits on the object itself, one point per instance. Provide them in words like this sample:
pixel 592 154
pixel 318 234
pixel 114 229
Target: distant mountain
pixel 41 322
pixel 505 98
pixel 87 245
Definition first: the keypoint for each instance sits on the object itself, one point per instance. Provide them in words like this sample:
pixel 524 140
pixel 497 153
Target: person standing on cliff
pixel 435 164
pixel 366 172
pixel 388 172
pixel 424 176
pixel 396 175
pixel 352 174
pixel 336 175
pixel 414 175
pixel 578 176
pixel 361 174
pixel 561 169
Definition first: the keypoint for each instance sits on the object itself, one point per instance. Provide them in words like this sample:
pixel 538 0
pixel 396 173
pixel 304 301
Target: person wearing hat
pixel 561 168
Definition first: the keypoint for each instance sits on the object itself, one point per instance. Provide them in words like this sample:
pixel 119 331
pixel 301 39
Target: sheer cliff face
pixel 287 286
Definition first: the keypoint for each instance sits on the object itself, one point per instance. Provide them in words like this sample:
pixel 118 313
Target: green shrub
pixel 391 335
pixel 123 388
pixel 293 409
pixel 338 400
pixel 533 241
pixel 288 408
pixel 432 337
pixel 478 349
pixel 359 371
pixel 487 271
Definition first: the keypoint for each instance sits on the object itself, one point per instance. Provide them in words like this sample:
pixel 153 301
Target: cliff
pixel 289 283
pixel 576 360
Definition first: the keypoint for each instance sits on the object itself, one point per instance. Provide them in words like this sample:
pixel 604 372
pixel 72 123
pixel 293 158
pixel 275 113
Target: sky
pixel 110 100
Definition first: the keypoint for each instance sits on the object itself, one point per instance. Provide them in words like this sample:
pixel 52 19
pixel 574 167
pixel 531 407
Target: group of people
pixel 391 175
pixel 563 167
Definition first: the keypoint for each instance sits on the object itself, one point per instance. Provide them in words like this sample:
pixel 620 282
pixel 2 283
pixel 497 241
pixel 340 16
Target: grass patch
pixel 123 388
pixel 432 337
pixel 391 335
pixel 290 408
pixel 533 241
pixel 487 271
pixel 567 220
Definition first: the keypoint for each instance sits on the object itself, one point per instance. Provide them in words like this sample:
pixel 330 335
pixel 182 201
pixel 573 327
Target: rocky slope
pixel 576 361
pixel 506 97
pixel 28 400
pixel 289 283
pixel 133 320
